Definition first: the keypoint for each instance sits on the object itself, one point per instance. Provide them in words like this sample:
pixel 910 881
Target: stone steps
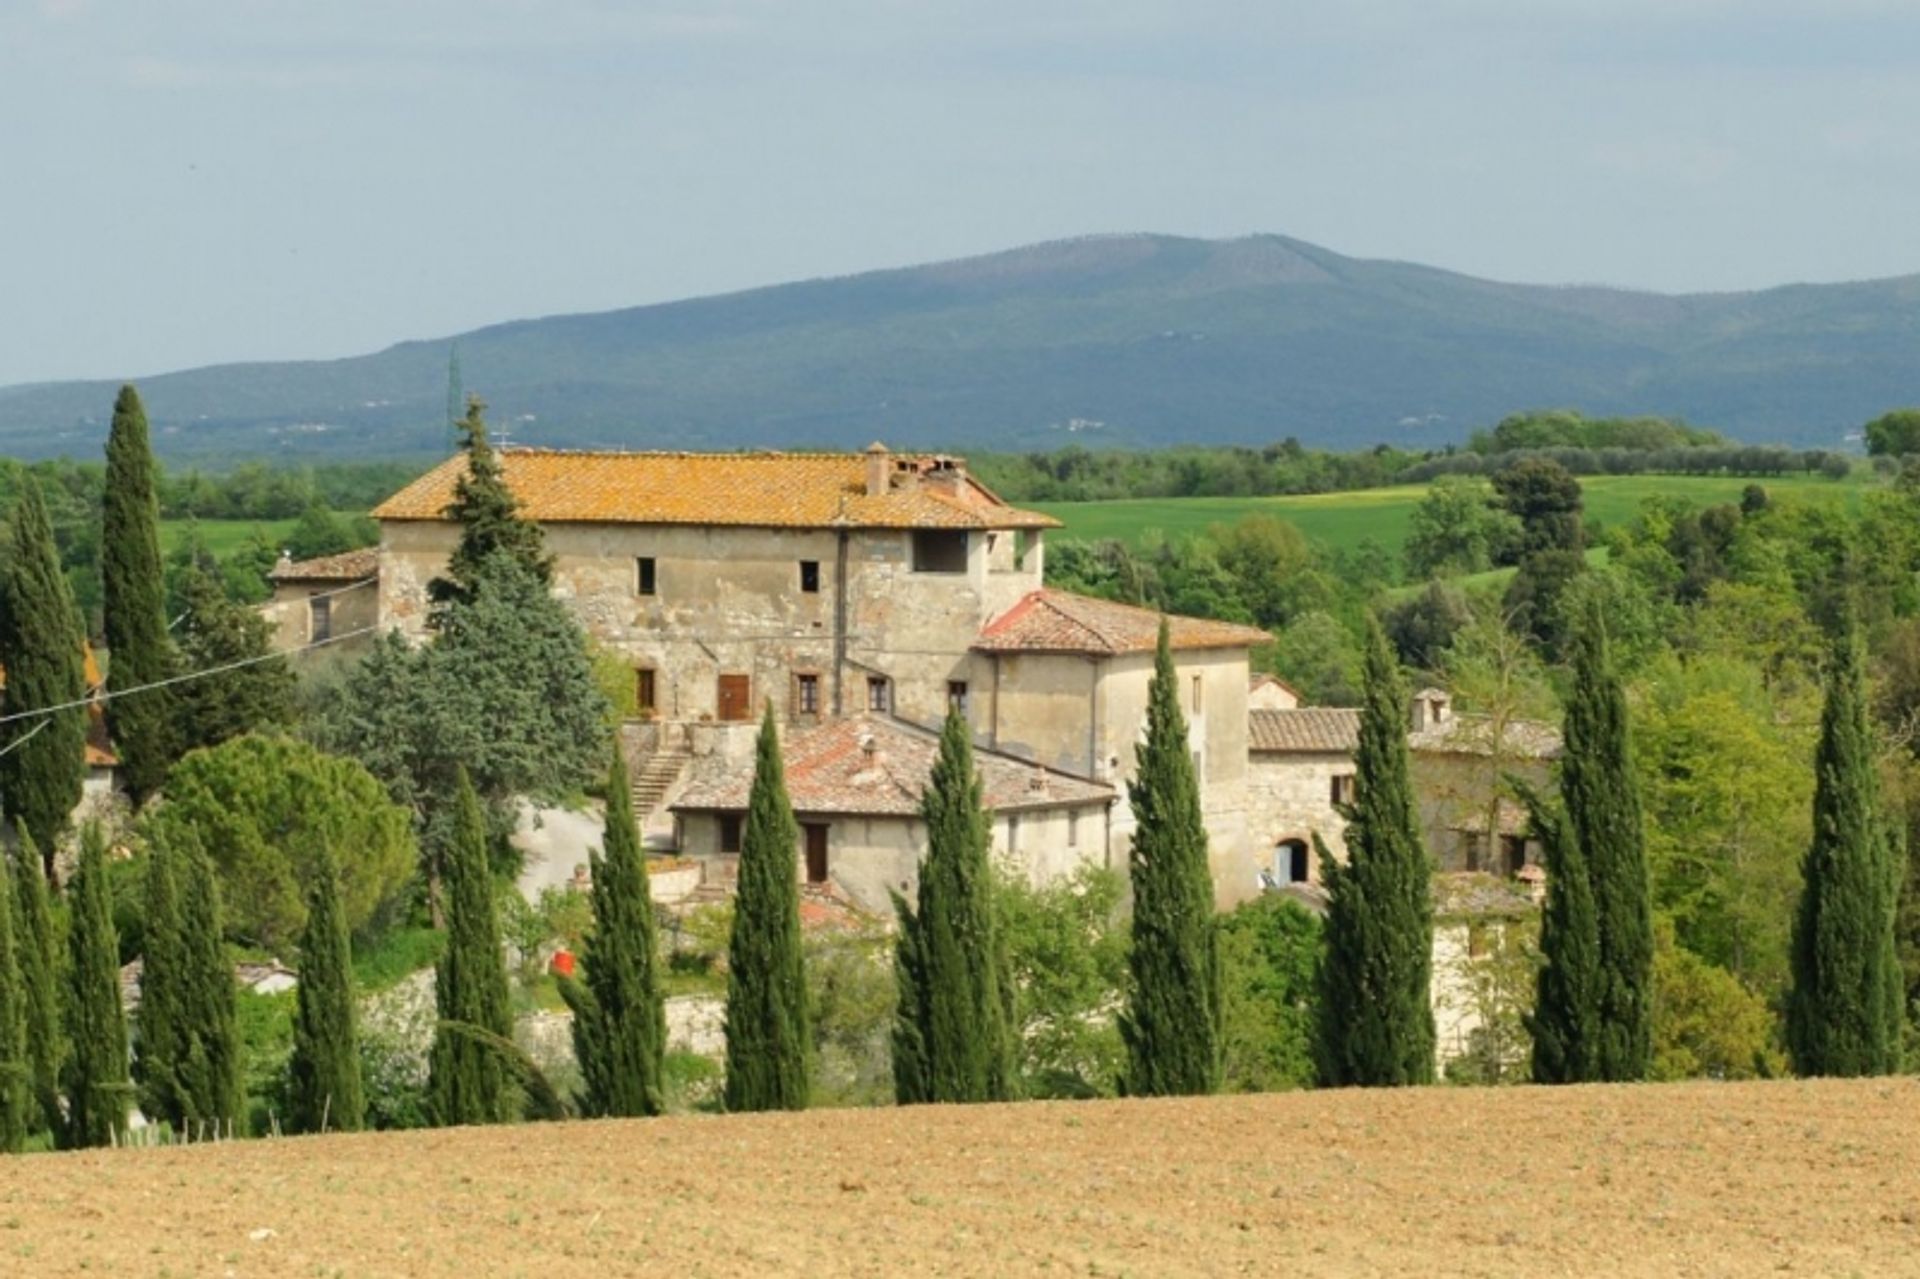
pixel 655 779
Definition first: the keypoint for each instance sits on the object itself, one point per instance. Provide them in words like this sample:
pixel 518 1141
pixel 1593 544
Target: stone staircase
pixel 654 779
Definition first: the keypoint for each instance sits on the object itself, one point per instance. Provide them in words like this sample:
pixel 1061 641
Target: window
pixel 1513 850
pixel 806 694
pixel 1479 941
pixel 643 690
pixel 644 574
pixel 816 836
pixel 1013 833
pixel 1340 788
pixel 1073 828
pixel 319 619
pixel 1196 695
pixel 729 832
pixel 1199 768
pixel 810 576
pixel 879 694
pixel 957 695
pixel 939 551
pixel 1290 863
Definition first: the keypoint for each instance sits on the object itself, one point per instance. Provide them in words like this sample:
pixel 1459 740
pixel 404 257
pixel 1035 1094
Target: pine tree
pixel 470 1082
pixel 37 945
pixel 621 1039
pixel 489 517
pixel 160 1045
pixel 210 1071
pixel 951 1030
pixel 324 1090
pixel 1376 1015
pixel 1172 1025
pixel 1844 1014
pixel 769 1038
pixel 134 601
pixel 43 759
pixel 98 1090
pixel 1603 817
pixel 16 1066
pixel 1565 1019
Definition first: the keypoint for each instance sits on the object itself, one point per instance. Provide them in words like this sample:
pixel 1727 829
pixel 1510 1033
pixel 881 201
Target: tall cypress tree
pixel 43 759
pixel 324 1090
pixel 161 1042
pixel 1603 817
pixel 210 1071
pixel 1172 1024
pixel 620 1031
pixel 470 1083
pixel 951 1033
pixel 769 1035
pixel 134 603
pixel 1844 1013
pixel 37 944
pixel 97 1087
pixel 1376 1014
pixel 488 515
pixel 1566 1012
pixel 16 1067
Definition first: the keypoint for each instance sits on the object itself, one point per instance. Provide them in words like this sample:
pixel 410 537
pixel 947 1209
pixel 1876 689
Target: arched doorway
pixel 1291 861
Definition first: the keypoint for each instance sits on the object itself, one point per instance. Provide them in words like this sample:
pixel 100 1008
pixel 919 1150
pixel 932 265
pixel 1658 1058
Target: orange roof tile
pixel 1050 621
pixel 765 490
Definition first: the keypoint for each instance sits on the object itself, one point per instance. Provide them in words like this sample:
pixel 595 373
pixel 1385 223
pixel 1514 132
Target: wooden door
pixel 736 702
pixel 816 836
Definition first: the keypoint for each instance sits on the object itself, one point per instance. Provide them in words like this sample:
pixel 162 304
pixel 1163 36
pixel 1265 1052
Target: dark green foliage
pixel 489 519
pixel 1545 497
pixel 160 1044
pixel 1844 1014
pixel 1602 798
pixel 98 1091
pixel 1172 1022
pixel 16 1067
pixel 951 1036
pixel 134 600
pixel 42 759
pixel 323 1075
pixel 1895 434
pixel 211 1069
pixel 470 1083
pixel 37 948
pixel 620 1031
pixel 215 632
pixel 768 1030
pixel 1066 965
pixel 1269 957
pixel 1565 1023
pixel 325 532
pixel 1376 1021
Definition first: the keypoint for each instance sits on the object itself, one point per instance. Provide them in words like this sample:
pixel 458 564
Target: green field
pixel 1346 519
pixel 224 537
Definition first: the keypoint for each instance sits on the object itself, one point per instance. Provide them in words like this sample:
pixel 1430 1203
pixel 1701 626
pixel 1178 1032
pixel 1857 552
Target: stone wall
pixel 1290 796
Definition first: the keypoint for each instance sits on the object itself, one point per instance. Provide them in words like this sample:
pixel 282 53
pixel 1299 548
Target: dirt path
pixel 1682 1180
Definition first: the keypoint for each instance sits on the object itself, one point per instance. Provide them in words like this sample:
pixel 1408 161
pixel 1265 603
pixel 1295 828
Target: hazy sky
pixel 188 182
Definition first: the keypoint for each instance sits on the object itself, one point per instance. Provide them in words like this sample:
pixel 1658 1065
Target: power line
pixel 15 745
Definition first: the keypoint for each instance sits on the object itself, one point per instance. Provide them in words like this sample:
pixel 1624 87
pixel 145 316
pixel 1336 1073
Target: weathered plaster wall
pixel 1290 796
pixel 290 612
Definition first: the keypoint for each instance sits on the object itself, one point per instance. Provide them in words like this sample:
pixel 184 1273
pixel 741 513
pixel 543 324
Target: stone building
pixel 331 600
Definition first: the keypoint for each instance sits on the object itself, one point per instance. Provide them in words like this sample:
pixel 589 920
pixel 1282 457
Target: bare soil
pixel 1735 1179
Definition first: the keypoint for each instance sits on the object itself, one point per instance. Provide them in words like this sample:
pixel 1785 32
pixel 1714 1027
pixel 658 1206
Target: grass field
pixel 223 537
pixel 1689 1179
pixel 1345 519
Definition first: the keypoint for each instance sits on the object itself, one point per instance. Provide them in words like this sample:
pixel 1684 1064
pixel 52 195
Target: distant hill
pixel 1134 340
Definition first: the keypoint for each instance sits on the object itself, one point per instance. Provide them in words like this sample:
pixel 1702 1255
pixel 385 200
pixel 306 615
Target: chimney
pixel 945 473
pixel 1432 707
pixel 877 468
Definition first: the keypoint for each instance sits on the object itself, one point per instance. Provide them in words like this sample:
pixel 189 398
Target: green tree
pixel 1171 1025
pixel 323 1076
pixel 216 633
pixel 1602 798
pixel 98 1091
pixel 211 1067
pixel 1316 654
pixel 1457 528
pixel 1544 497
pixel 162 1033
pixel 1565 1023
pixel 37 945
pixel 1894 434
pixel 619 1026
pixel 1376 1018
pixel 1066 963
pixel 1843 1013
pixel 768 1032
pixel 16 1066
pixel 1706 1025
pixel 470 1081
pixel 1269 953
pixel 489 518
pixel 135 604
pixel 951 1026
pixel 42 756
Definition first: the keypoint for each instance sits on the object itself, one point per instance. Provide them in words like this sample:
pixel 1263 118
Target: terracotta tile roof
pixel 348 566
pixel 830 770
pixel 99 751
pixel 1304 730
pixel 1050 621
pixel 763 490
pixel 1473 735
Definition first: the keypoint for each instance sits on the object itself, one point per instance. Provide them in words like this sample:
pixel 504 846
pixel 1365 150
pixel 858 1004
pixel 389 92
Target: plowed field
pixel 1685 1180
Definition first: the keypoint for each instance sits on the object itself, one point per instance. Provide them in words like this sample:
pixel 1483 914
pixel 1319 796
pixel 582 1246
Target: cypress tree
pixel 134 603
pixel 160 1046
pixel 1603 817
pixel 489 517
pixel 951 1025
pixel 1565 1019
pixel 37 945
pixel 621 1039
pixel 16 1067
pixel 210 1070
pixel 97 1087
pixel 1376 1014
pixel 43 759
pixel 469 1081
pixel 1172 1024
pixel 324 1090
pixel 769 1038
pixel 1844 1010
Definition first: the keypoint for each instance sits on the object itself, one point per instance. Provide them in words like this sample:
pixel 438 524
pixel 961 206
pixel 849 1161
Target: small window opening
pixel 320 614
pixel 729 833
pixel 1290 861
pixel 810 576
pixel 644 689
pixel 957 695
pixel 806 694
pixel 879 694
pixel 939 551
pixel 645 574
pixel 1340 788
